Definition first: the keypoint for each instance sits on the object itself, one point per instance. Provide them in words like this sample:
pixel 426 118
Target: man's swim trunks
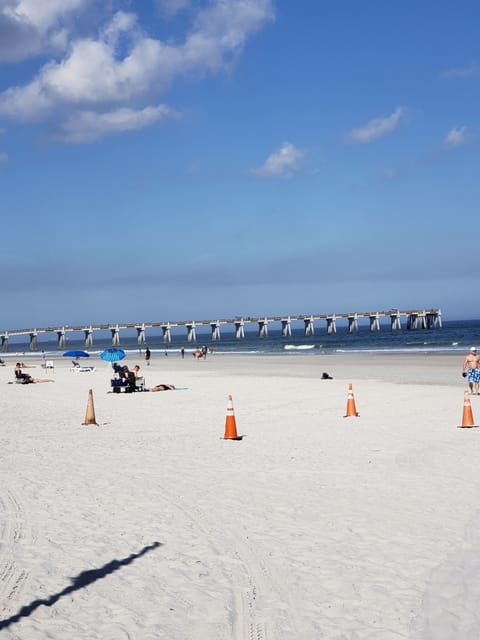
pixel 473 375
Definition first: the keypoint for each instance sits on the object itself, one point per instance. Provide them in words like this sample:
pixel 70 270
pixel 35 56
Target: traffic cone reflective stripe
pixel 467 418
pixel 90 414
pixel 351 408
pixel 230 423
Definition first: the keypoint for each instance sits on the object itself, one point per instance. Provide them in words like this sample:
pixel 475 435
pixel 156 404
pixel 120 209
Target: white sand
pixel 314 526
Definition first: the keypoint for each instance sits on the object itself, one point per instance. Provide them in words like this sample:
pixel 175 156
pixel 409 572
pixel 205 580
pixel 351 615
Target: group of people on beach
pixel 471 371
pixel 124 378
pixel 132 380
pixel 135 382
pixel 26 378
pixel 200 353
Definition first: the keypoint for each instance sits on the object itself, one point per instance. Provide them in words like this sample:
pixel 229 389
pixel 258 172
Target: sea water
pixel 453 336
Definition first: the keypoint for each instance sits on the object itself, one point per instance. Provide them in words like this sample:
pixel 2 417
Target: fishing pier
pixel 412 319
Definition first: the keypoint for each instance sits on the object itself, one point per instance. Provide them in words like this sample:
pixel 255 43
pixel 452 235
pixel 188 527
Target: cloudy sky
pixel 188 159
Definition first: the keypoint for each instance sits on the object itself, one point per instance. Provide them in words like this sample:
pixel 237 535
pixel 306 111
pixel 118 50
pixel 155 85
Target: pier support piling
pixel 115 331
pixel 352 323
pixel 395 322
pixel 433 320
pixel 239 329
pixel 88 332
pixel 61 338
pixel 215 326
pixel 166 333
pixel 286 328
pixel 416 321
pixel 331 324
pixel 374 322
pixel 33 340
pixel 309 326
pixel 191 332
pixel 263 328
pixel 140 334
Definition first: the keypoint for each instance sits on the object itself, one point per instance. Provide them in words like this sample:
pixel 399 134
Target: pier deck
pixel 414 319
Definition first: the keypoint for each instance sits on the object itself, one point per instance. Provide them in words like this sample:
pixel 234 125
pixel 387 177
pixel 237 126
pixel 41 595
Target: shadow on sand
pixel 78 582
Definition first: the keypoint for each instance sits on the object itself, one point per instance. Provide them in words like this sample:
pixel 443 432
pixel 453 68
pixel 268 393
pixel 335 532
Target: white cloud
pixel 3 158
pixel 376 128
pixel 122 22
pixel 32 27
pixel 462 72
pixel 27 105
pixel 97 74
pixel 45 13
pixel 284 162
pixel 89 126
pixel 170 8
pixel 456 137
pixel 90 75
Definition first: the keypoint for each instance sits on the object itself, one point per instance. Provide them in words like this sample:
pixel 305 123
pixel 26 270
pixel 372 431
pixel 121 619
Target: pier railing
pixel 413 319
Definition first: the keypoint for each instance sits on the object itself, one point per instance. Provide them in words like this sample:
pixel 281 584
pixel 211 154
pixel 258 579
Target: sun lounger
pixel 80 368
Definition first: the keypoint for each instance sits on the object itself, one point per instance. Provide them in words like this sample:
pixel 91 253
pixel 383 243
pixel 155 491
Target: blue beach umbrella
pixel 112 355
pixel 76 354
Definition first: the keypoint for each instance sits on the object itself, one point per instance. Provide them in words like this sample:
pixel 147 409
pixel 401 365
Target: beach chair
pixel 119 384
pixel 49 366
pixel 78 368
pixel 130 384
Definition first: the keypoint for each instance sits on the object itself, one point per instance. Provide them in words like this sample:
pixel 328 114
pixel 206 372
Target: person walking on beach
pixel 147 356
pixel 471 370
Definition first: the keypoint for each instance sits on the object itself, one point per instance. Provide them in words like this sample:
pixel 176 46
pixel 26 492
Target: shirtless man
pixel 471 369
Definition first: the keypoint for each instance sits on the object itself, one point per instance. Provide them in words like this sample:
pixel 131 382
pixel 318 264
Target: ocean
pixel 454 336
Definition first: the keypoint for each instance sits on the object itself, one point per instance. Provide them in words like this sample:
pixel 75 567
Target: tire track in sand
pixel 12 531
pixel 261 590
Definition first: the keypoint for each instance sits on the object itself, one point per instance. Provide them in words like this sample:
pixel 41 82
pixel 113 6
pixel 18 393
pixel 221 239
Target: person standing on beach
pixel 147 356
pixel 471 370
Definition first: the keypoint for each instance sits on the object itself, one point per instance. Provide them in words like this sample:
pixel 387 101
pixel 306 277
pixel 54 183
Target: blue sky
pixel 195 159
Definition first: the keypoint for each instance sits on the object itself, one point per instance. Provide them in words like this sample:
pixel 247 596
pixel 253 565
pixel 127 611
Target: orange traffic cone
pixel 351 408
pixel 230 424
pixel 467 418
pixel 90 415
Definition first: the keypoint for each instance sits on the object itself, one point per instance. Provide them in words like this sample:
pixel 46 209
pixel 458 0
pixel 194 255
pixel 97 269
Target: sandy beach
pixel 151 526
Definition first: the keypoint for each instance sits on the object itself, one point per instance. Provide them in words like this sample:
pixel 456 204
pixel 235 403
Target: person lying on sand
pixel 162 387
pixel 26 378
